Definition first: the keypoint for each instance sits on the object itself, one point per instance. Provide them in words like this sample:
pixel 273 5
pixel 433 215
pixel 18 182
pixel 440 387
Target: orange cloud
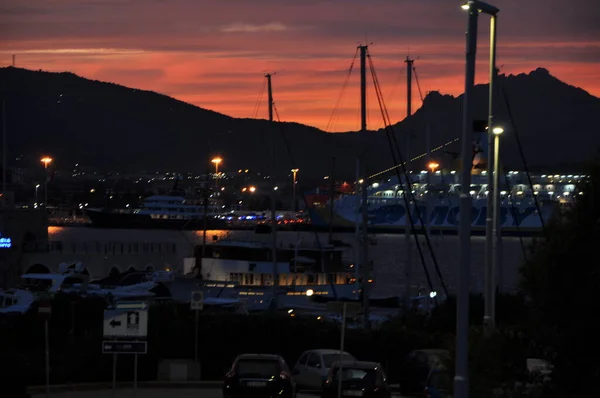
pixel 214 54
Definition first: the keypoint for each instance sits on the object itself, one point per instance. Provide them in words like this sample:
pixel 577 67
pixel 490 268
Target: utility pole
pixel 407 224
pixel 461 377
pixel 274 302
pixel 364 262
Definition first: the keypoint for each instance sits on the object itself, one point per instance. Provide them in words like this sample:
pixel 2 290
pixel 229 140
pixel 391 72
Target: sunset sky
pixel 214 53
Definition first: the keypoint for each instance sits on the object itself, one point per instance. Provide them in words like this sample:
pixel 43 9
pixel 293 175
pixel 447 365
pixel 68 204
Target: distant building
pixel 21 231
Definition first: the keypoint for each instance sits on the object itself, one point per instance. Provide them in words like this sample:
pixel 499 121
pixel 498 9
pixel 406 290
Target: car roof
pixel 433 351
pixel 323 351
pixel 272 357
pixel 357 364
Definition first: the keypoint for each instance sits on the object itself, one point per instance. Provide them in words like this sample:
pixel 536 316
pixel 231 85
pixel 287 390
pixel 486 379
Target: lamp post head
pixel 433 166
pixel 481 7
pixel 217 160
pixel 295 170
pixel 497 130
pixel 46 160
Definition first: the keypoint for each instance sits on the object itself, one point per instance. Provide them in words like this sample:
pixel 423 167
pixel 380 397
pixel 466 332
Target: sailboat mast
pixel 4 134
pixel 364 262
pixel 331 198
pixel 273 213
pixel 407 227
pixel 363 89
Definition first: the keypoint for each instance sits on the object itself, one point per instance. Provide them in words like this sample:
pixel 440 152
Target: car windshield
pixel 256 368
pixel 351 374
pixel 329 359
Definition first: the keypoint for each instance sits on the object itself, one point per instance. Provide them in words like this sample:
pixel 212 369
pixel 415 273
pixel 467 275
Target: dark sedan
pixel 259 375
pixel 359 379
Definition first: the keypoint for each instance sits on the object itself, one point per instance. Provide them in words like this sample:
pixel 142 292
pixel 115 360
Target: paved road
pixel 149 393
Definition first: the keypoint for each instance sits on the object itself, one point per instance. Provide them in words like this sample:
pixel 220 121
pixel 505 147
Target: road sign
pixel 131 305
pixel 352 308
pixel 197 300
pixel 132 323
pixel 45 308
pixel 124 347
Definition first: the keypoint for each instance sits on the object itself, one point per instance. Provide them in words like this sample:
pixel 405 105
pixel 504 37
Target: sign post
pixel 45 310
pixel 114 380
pixel 346 309
pixel 196 304
pixel 127 320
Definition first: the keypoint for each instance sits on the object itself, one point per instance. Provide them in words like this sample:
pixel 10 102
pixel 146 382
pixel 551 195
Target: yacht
pixel 245 270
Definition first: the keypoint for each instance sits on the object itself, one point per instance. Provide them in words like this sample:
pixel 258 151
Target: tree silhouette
pixel 562 281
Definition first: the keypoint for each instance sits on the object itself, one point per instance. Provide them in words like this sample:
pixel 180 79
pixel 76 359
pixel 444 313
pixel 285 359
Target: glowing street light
pixel 252 189
pixel 294 171
pixel 310 292
pixel 46 160
pixel 217 161
pixel 433 166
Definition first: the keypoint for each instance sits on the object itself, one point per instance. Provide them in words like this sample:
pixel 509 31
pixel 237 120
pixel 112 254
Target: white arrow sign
pixel 133 323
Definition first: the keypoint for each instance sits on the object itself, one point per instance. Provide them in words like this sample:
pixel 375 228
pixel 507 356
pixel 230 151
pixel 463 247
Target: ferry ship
pixel 160 212
pixel 436 199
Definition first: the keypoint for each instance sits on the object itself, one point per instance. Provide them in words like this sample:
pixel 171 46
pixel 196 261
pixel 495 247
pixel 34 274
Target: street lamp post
pixel 294 171
pixel 46 160
pixel 217 161
pixel 497 131
pixel 37 186
pixel 431 166
pixel 489 321
pixel 461 376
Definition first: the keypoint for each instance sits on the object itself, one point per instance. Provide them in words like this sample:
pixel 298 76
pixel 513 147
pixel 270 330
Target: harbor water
pixel 102 249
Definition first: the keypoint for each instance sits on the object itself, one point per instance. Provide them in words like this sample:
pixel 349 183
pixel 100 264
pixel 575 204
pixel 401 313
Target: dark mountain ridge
pixel 111 127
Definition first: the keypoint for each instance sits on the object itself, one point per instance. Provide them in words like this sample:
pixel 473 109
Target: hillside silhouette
pixel 104 126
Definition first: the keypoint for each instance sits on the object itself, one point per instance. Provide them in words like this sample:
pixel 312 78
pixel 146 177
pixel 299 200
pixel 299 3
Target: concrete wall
pixel 28 232
pixel 100 257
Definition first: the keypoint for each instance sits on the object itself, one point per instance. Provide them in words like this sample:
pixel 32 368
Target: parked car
pixel 261 375
pixel 440 384
pixel 311 370
pixel 416 367
pixel 359 379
